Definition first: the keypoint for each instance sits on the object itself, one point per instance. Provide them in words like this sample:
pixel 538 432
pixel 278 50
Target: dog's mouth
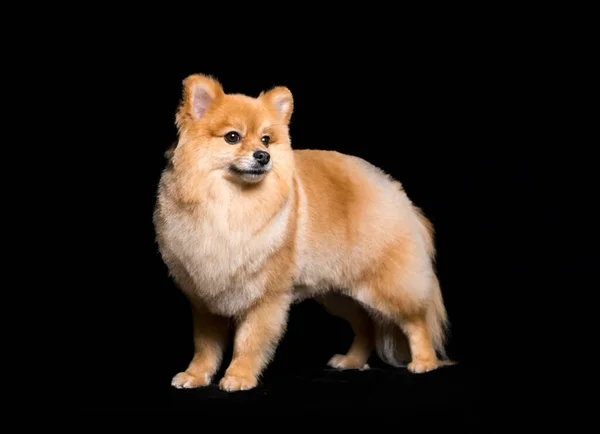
pixel 246 172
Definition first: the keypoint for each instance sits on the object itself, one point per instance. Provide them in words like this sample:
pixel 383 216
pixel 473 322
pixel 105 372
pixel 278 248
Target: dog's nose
pixel 262 157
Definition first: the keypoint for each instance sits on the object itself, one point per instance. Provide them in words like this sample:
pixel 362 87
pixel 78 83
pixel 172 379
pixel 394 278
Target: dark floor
pixel 448 396
pixel 298 378
pixel 448 392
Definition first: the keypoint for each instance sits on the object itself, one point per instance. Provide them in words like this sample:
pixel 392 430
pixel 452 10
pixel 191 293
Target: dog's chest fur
pixel 219 255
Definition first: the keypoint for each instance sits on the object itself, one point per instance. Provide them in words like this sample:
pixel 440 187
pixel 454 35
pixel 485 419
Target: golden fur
pixel 244 247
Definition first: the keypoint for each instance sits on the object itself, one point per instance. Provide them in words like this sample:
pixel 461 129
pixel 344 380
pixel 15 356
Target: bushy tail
pixel 391 344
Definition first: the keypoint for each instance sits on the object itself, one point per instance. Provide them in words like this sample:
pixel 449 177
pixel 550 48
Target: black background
pixel 446 125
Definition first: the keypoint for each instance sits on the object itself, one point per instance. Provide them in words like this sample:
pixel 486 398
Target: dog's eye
pixel 265 140
pixel 232 138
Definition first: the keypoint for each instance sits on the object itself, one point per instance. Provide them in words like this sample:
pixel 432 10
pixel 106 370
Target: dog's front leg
pixel 257 334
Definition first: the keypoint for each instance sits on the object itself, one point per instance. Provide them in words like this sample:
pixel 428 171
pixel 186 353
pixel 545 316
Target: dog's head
pixel 241 138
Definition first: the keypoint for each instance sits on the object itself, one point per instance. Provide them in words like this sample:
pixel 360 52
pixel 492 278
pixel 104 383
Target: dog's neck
pixel 212 196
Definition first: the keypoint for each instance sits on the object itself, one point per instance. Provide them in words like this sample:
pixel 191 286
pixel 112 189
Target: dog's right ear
pixel 199 93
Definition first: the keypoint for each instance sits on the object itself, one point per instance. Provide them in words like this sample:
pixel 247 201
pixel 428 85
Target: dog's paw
pixel 341 361
pixel 185 380
pixel 230 383
pixel 422 366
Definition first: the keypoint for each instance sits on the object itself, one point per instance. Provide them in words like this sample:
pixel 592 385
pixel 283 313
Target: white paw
pixel 341 361
pixel 184 380
pixel 233 384
pixel 420 367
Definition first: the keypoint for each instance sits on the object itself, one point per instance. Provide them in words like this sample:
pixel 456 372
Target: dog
pixel 248 226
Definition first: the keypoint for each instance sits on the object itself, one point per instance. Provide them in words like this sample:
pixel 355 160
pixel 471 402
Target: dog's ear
pixel 281 101
pixel 199 93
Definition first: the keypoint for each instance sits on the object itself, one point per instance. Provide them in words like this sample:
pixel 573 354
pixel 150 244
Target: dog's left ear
pixel 281 101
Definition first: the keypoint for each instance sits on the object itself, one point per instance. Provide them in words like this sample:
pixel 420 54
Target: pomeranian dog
pixel 247 226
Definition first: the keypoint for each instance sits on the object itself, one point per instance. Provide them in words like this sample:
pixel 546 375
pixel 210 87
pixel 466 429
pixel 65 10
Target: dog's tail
pixel 391 344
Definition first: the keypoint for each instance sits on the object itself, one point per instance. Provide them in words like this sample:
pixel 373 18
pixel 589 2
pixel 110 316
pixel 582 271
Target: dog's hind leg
pixel 363 343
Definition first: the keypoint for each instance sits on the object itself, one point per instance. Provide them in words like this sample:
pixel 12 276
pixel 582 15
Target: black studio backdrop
pixel 426 124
